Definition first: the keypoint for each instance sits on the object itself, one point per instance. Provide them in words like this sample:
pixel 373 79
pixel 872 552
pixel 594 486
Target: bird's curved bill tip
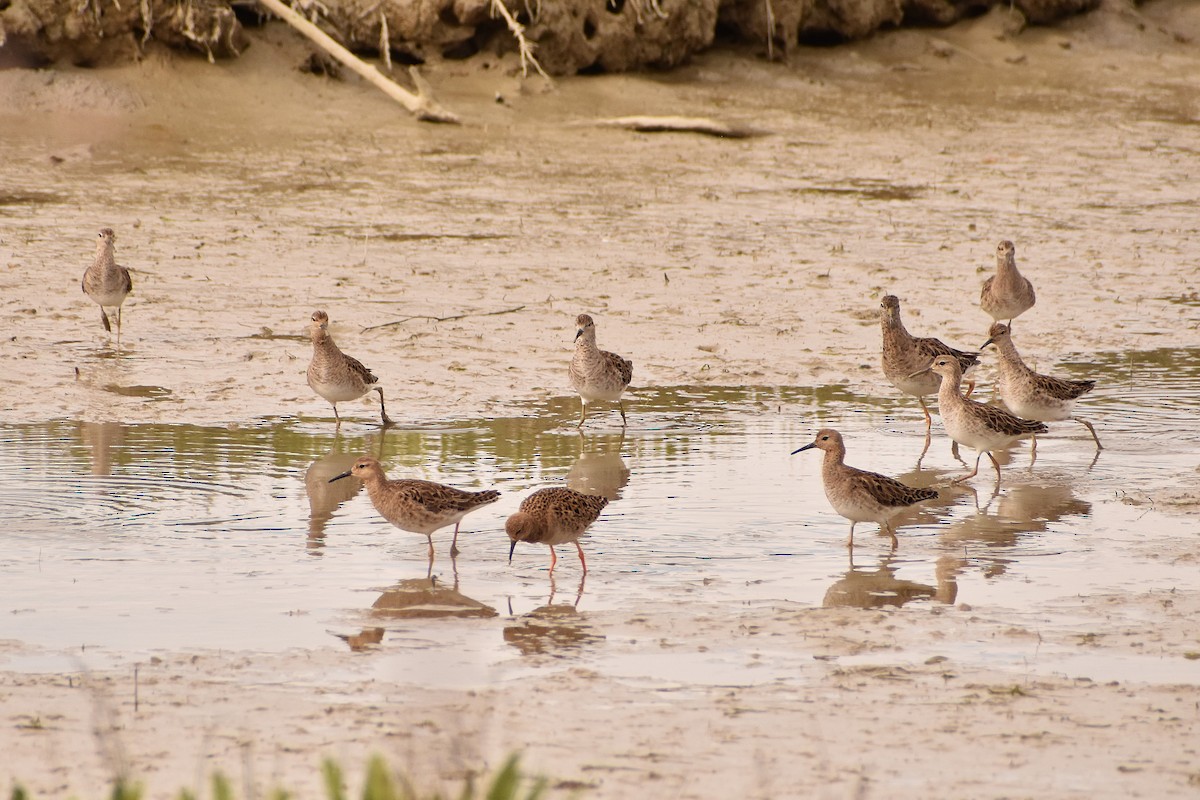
pixel 345 474
pixel 512 548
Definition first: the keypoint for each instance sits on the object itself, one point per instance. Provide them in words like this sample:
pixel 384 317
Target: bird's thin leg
pixel 335 414
pixel 928 418
pixel 1032 451
pixel 954 451
pixel 104 320
pixel 621 407
pixel 454 542
pixel 996 464
pixel 890 531
pixel 382 409
pixel 970 387
pixel 974 472
pixel 582 560
pixel 582 412
pixel 1091 430
pixel 850 543
pixel 430 538
pixel 553 558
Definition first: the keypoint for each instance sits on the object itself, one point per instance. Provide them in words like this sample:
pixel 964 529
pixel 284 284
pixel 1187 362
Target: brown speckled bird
pixel 1032 395
pixel 858 495
pixel 106 281
pixel 597 374
pixel 336 376
pixel 1007 294
pixel 554 516
pixel 905 357
pixel 982 427
pixel 416 505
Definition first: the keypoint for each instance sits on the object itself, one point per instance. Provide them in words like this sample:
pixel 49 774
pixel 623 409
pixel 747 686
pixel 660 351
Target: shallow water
pixel 126 540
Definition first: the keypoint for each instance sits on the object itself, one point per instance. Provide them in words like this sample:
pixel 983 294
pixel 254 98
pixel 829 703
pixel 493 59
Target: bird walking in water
pixel 106 281
pixel 554 516
pixel 858 495
pixel 982 427
pixel 416 505
pixel 597 374
pixel 1031 395
pixel 336 376
pixel 1007 294
pixel 905 357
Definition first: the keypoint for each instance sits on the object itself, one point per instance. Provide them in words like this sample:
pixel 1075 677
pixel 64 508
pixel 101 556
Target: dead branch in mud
pixel 421 104
pixel 651 124
pixel 442 319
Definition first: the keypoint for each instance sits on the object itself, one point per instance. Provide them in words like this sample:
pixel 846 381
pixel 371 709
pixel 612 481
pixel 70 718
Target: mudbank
pixel 569 36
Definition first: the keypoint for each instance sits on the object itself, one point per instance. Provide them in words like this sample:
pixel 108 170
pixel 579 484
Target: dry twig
pixel 441 319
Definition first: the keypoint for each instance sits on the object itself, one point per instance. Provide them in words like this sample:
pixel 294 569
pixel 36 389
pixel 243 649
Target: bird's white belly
pixel 104 299
pixel 336 392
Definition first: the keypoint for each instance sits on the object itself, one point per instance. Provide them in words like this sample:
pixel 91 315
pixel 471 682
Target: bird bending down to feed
pixel 416 505
pixel 106 281
pixel 597 374
pixel 554 516
pixel 336 376
pixel 858 495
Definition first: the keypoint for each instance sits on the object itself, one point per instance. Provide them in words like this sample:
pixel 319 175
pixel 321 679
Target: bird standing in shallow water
pixel 106 281
pixel 1032 395
pixel 597 374
pixel 1007 294
pixel 982 427
pixel 554 516
pixel 416 505
pixel 858 495
pixel 336 376
pixel 905 357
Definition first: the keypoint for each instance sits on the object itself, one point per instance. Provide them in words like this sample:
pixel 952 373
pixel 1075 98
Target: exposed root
pixel 385 42
pixel 525 47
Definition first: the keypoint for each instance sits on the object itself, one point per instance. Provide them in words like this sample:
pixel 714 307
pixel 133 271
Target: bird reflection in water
pixel 555 629
pixel 599 469
pixel 1022 511
pixel 102 439
pixel 324 497
pixel 874 588
pixel 417 598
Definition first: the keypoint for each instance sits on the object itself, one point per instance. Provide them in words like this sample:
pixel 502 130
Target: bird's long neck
pixel 106 260
pixel 586 344
pixel 949 391
pixel 891 323
pixel 835 458
pixel 1008 353
pixel 323 341
pixel 1006 268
